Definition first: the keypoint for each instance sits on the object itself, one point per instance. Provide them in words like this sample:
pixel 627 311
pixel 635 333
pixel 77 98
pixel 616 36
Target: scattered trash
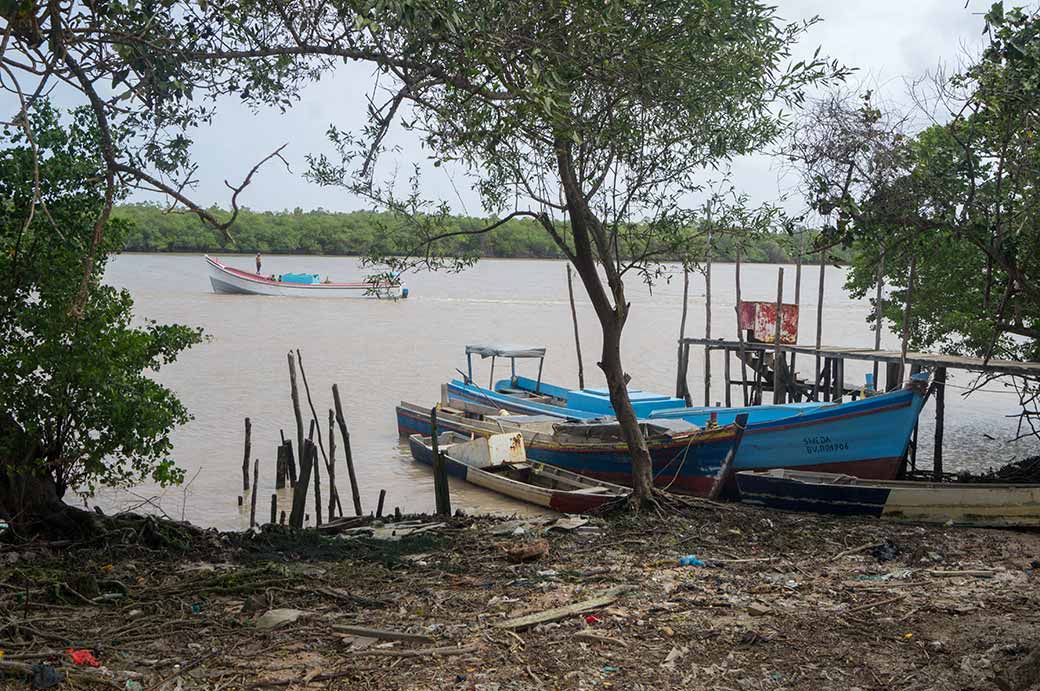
pixel 45 677
pixel 567 523
pixel 548 573
pixel 886 551
pixel 557 613
pixel 82 657
pixel 276 618
pixel 608 669
pixel 196 608
pixel 132 685
pixel 675 654
pixel 690 560
pixel 528 551
pixel 592 619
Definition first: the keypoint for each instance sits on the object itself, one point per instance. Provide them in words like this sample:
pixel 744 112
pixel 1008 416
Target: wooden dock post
pixel 792 372
pixel 315 425
pixel 245 457
pixel 819 323
pixel 252 499
pixel 740 333
pixel 726 469
pixel 680 365
pixel 574 318
pixel 379 506
pixel 707 323
pixel 440 470
pixel 726 374
pixel 317 487
pixel 280 467
pixel 879 305
pixel 347 454
pixel 940 419
pixel 332 466
pixel 294 393
pixel 274 508
pixel 299 503
pixel 906 313
pixel 778 387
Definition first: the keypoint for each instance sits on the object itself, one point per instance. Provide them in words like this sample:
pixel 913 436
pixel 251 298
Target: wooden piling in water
pixel 707 323
pixel 778 388
pixel 274 508
pixel 245 457
pixel 294 393
pixel 792 378
pixel 281 518
pixel 332 466
pixel 379 506
pixel 252 499
pixel 348 455
pixel 940 415
pixel 574 318
pixel 440 470
pixel 314 420
pixel 299 502
pixel 906 313
pixel 281 465
pixel 317 486
pixel 819 323
pixel 681 388
pixel 740 333
pixel 879 305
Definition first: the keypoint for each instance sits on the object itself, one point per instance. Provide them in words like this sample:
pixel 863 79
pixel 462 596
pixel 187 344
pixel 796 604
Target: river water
pixel 381 352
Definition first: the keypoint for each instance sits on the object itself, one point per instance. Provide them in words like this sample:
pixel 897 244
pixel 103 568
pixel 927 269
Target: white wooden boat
pixel 227 279
pixel 499 463
pixel 984 505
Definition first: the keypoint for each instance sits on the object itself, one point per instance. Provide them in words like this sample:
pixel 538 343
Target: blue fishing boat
pixel 867 438
pixel 974 504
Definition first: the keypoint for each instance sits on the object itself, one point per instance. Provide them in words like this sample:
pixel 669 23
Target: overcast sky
pixel 890 41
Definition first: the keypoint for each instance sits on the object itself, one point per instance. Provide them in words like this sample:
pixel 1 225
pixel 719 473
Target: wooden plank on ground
pixel 555 614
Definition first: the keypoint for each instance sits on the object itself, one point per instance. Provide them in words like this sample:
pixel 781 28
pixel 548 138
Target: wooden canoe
pixel 969 504
pixel 499 463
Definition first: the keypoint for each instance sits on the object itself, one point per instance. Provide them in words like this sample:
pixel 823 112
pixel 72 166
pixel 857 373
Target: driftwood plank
pixel 558 613
pixel 382 634
pixel 421 652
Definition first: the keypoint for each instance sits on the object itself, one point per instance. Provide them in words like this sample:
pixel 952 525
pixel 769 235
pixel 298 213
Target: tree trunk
pixel 31 503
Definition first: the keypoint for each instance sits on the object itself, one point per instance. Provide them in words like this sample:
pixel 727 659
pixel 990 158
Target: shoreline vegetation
pixel 363 233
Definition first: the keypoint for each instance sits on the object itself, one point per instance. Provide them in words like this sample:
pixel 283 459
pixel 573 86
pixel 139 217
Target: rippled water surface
pixel 381 352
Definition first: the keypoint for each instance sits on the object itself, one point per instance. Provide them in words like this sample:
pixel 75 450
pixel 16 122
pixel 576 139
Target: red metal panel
pixel 760 319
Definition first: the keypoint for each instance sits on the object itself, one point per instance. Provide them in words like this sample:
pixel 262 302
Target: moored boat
pixel 499 463
pixel 227 279
pixel 970 504
pixel 867 438
pixel 684 458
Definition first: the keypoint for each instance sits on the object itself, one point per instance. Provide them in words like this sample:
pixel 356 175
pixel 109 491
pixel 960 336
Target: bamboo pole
pixel 740 333
pixel 778 391
pixel 906 313
pixel 332 466
pixel 880 307
pixel 245 456
pixel 707 323
pixel 294 392
pixel 680 370
pixel 347 454
pixel 314 419
pixel 252 499
pixel 819 324
pixel 574 319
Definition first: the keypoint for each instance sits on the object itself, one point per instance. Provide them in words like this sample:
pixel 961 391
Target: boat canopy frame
pixel 506 351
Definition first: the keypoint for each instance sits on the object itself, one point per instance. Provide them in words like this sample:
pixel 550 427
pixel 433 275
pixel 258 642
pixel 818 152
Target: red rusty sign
pixel 760 319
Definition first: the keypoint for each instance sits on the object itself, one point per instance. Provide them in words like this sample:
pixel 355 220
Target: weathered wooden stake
pixel 274 509
pixel 332 467
pixel 793 378
pixel 290 462
pixel 397 512
pixel 778 388
pixel 299 503
pixel 440 471
pixel 574 318
pixel 726 374
pixel 280 466
pixel 681 389
pixel 879 305
pixel 726 469
pixel 819 323
pixel 707 323
pixel 906 312
pixel 245 457
pixel 294 392
pixel 346 451
pixel 281 518
pixel 379 506
pixel 252 499
pixel 317 486
pixel 740 333
pixel 314 424
pixel 940 414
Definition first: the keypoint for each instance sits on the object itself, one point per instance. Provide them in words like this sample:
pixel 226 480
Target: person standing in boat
pixel 258 262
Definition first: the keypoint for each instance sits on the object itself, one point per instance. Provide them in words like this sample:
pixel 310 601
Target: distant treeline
pixel 364 232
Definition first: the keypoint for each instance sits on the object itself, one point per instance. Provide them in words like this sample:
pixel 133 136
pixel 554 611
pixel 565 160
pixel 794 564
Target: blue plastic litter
pixel 690 560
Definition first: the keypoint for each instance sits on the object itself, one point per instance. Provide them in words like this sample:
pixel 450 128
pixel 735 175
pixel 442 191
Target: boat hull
pixel 867 438
pixel 228 280
pixel 686 464
pixel 557 500
pixel 979 505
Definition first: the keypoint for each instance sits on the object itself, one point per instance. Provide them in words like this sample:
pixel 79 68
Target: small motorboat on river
pixel 227 279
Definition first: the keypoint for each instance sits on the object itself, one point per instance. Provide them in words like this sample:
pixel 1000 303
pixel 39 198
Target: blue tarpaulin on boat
pixel 299 278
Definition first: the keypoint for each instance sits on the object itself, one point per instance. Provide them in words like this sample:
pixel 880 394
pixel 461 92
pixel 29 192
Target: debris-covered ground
pixel 769 601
